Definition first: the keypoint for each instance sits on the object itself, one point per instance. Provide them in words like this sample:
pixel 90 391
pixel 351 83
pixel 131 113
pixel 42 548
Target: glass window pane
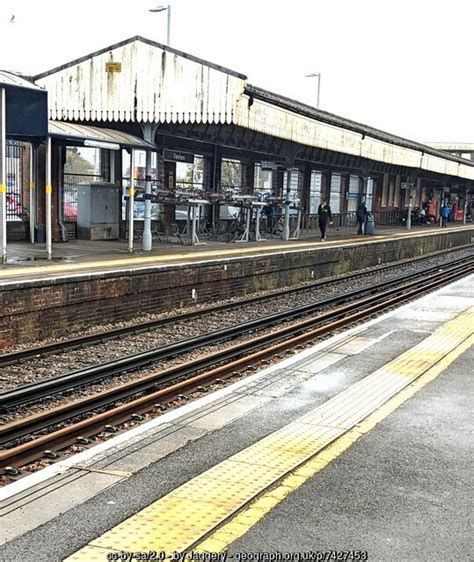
pixel 315 191
pixel 353 195
pixel 231 174
pixel 263 181
pixel 369 196
pixel 335 193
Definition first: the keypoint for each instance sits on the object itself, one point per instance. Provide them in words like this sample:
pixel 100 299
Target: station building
pixel 171 132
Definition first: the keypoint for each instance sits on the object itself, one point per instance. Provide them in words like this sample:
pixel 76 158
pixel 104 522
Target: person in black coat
pixel 361 215
pixel 325 216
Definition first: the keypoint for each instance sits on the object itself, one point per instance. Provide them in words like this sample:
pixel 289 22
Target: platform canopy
pixel 139 81
pixel 26 107
pixel 86 135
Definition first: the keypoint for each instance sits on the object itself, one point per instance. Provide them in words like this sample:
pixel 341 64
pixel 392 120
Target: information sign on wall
pixel 176 156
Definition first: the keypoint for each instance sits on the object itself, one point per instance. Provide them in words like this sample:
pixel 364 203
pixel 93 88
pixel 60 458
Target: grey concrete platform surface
pixel 401 492
pixel 21 254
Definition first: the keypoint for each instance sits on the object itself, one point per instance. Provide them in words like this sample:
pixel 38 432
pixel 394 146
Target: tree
pixel 77 164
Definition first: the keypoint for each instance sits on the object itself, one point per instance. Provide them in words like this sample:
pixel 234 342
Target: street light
pixel 318 76
pixel 159 9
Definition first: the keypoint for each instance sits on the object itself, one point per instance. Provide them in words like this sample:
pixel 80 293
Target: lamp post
pixel 318 76
pixel 159 9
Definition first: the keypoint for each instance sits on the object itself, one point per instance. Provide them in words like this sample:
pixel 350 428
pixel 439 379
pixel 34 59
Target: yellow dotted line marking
pixel 246 519
pixel 189 513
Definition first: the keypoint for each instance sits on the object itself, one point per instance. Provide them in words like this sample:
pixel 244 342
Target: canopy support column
pixel 149 131
pixel 147 238
pixel 131 201
pixel 32 192
pixel 3 183
pixel 48 198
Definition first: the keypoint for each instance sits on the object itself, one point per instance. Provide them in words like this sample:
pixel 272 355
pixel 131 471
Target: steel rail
pixel 70 380
pixel 66 436
pixel 91 339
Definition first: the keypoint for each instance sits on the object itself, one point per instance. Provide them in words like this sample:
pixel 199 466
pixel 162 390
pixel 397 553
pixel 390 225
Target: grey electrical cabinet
pixel 98 206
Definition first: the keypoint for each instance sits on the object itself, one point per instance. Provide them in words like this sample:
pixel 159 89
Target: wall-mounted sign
pixel 176 156
pixel 113 67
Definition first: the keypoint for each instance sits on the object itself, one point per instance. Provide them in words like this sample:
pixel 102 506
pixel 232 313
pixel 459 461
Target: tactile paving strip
pixel 177 521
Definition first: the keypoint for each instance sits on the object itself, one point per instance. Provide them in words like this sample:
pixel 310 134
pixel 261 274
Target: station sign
pixel 113 67
pixel 176 156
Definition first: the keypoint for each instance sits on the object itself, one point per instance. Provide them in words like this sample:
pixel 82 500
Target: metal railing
pixel 14 179
pixel 70 183
pixel 349 220
pixel 388 218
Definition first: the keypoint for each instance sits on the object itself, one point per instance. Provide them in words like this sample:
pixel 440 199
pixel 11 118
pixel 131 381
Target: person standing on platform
pixel 325 216
pixel 361 215
pixel 444 215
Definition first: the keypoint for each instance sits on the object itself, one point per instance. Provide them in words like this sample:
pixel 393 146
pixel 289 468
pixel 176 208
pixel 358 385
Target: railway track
pixel 68 381
pixel 221 364
pixel 22 355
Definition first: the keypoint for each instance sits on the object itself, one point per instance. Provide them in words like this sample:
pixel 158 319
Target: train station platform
pixel 92 284
pixel 354 449
pixel 28 261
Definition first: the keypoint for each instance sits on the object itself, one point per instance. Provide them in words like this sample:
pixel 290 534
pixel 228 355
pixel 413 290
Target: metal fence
pixel 391 218
pixel 340 220
pixel 15 208
pixel 70 184
pixel 349 220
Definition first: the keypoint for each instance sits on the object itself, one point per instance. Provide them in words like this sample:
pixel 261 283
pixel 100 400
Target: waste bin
pixel 40 235
pixel 369 224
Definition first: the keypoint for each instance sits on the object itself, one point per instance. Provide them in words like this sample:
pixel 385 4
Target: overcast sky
pixel 404 66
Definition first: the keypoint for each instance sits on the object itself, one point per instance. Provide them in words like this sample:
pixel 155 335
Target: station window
pixel 83 165
pixel 353 194
pixel 391 193
pixel 190 176
pixel 295 187
pixel 263 181
pixel 315 191
pixel 396 198
pixel 335 193
pixel 231 174
pixel 369 195
pixel 383 201
pixel 231 180
pixel 139 174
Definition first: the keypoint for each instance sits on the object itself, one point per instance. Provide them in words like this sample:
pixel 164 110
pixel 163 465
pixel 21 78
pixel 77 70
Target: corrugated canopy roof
pixel 10 79
pixel 80 133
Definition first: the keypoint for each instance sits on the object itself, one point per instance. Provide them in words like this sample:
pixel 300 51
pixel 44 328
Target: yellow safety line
pixel 67 268
pixel 180 519
pixel 240 524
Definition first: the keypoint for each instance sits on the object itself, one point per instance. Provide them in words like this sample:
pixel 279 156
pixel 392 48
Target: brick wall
pixel 58 308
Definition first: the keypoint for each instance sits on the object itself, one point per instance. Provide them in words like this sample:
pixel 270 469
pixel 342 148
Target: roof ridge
pixel 140 39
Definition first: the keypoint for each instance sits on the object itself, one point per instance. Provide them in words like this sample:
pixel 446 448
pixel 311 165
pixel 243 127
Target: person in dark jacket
pixel 325 216
pixel 361 215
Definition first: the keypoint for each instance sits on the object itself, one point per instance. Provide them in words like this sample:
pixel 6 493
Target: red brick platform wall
pixel 59 308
